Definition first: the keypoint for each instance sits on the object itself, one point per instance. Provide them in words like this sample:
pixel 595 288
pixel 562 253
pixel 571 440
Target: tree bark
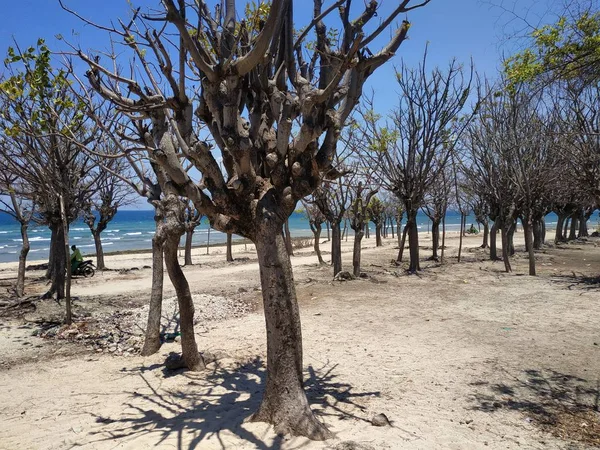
pixel 402 243
pixel 574 227
pixel 284 403
pixel 336 248
pixel 187 258
pixel 558 234
pixel 189 349
pixel 528 232
pixel 486 235
pixel 229 250
pixel 67 256
pixel 316 229
pixel 435 239
pixel 56 265
pixel 583 230
pixel 99 251
pixel 356 253
pixel 493 248
pixel 20 286
pixel 538 234
pixel 392 226
pixel 378 242
pixel 152 338
pixel 413 243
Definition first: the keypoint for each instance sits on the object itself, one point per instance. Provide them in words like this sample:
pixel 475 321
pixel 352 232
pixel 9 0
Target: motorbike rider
pixel 76 258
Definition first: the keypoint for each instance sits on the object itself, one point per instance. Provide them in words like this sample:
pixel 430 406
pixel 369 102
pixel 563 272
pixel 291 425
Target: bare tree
pixel 111 193
pixel 249 104
pixel 15 200
pixel 316 219
pixel 414 148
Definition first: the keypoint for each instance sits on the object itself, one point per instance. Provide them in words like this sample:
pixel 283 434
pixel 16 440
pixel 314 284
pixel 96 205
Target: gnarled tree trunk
pixel 284 403
pixel 574 227
pixel 56 265
pixel 505 250
pixel 288 239
pixel 174 229
pixel 558 235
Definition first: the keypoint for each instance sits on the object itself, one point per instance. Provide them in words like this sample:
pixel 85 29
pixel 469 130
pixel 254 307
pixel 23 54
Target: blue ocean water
pixel 133 230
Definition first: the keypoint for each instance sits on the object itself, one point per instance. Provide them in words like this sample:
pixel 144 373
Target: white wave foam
pixel 137 233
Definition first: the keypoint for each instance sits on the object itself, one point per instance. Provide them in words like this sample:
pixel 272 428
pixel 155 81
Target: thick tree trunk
pixel 413 243
pixel 402 243
pixel 367 231
pixel 336 248
pixel 583 230
pixel 392 226
pixel 328 233
pixel 378 242
pixel 566 229
pixel 574 227
pixel 189 349
pixel 56 265
pixel 53 242
pixel 463 219
pixel 486 234
pixel 558 235
pixel 99 251
pixel 435 239
pixel 505 250
pixel 493 248
pixel 229 249
pixel 152 338
pixel 356 253
pixel 528 232
pixel 538 234
pixel 20 286
pixel 187 254
pixel 316 229
pixel 284 403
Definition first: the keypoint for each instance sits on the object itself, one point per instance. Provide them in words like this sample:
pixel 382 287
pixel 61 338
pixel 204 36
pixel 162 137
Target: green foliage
pixel 565 49
pixel 34 82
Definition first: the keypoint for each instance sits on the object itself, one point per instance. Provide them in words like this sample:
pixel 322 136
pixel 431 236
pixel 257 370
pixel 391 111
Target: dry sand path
pixel 461 357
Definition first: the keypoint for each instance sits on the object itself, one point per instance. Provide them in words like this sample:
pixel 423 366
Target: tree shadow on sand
pixel 564 405
pixel 575 281
pixel 215 405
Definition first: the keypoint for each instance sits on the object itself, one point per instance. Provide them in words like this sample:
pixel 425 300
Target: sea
pixel 133 230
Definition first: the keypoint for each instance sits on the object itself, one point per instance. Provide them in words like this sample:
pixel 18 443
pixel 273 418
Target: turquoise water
pixel 133 230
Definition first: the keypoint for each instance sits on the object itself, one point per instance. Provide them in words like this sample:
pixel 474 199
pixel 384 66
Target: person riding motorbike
pixel 76 258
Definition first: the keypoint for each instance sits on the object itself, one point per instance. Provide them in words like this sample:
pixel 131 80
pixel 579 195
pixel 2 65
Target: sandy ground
pixel 461 356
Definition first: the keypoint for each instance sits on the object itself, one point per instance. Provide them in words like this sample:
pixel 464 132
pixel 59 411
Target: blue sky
pixel 463 29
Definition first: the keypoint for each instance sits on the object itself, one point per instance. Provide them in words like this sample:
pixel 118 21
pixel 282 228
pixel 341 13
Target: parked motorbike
pixel 86 269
